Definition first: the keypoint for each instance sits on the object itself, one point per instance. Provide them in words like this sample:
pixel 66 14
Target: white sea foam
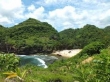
pixel 39 60
pixel 42 63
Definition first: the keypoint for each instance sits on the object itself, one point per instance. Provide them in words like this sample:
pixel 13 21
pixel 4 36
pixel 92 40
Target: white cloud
pixel 67 17
pixel 61 14
pixel 104 18
pixel 105 14
pixel 70 17
pixel 50 1
pixel 60 17
pixel 10 10
pixel 76 13
pixel 4 20
pixel 31 8
pixel 61 2
pixel 37 13
pixel 9 5
pixel 89 1
pixel 55 2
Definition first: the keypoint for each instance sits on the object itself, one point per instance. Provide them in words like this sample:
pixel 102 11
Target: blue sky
pixel 61 14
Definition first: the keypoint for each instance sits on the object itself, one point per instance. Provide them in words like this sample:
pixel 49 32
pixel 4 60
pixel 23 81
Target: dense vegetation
pixel 32 36
pixel 92 64
pixel 80 68
pixel 78 38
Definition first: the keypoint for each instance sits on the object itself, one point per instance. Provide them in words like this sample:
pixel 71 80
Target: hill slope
pixel 78 38
pixel 34 36
pixel 31 36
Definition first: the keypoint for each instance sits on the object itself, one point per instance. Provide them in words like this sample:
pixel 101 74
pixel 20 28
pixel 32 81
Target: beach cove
pixel 67 53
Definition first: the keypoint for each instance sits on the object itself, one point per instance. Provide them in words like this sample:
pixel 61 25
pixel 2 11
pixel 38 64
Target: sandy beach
pixel 67 53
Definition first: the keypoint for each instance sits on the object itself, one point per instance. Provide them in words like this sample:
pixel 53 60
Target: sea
pixel 38 60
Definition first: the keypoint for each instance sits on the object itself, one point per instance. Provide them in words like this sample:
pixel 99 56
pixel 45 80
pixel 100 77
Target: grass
pixel 70 70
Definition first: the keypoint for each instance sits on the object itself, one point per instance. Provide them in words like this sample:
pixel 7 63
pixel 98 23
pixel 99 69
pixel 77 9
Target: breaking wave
pixel 38 60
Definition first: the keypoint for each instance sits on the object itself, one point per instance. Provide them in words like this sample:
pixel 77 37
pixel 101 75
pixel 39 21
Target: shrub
pixel 8 62
pixel 93 48
pixel 102 66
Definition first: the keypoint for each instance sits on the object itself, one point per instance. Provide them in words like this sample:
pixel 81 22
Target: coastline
pixel 67 53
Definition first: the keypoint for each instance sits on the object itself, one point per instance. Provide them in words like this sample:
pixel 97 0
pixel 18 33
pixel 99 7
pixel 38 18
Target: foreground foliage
pixel 75 69
pixel 8 62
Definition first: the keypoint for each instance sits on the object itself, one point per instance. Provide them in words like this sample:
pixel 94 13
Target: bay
pixel 38 60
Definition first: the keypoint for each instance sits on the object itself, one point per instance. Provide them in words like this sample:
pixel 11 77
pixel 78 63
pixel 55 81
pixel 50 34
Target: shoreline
pixel 67 53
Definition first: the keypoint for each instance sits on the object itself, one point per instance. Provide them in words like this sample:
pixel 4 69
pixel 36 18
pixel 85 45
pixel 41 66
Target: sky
pixel 61 14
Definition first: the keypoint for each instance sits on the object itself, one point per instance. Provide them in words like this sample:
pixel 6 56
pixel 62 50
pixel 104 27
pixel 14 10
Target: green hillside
pixel 31 36
pixel 78 38
pixel 92 64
